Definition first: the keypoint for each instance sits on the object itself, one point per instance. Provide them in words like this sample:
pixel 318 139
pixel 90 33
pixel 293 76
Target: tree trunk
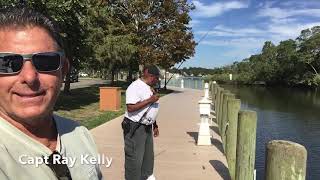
pixel 112 76
pixel 129 78
pixel 66 89
pixel 314 69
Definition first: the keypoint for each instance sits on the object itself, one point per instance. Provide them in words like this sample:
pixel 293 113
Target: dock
pixel 177 156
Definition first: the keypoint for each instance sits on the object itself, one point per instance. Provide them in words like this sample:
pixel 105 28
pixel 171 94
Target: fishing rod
pixel 204 36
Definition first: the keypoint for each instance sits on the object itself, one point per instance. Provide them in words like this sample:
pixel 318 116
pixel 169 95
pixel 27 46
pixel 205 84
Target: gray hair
pixel 22 17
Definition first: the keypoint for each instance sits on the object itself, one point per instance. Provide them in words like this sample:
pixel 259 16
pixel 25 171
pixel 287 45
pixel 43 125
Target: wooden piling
pixel 285 160
pixel 231 132
pixel 223 92
pixel 216 86
pixel 213 91
pixel 246 145
pixel 224 119
pixel 218 103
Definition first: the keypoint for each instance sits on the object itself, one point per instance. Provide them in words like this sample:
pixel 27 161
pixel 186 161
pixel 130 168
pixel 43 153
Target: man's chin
pixel 31 118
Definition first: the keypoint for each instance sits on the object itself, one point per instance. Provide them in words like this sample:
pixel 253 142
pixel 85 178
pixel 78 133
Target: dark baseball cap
pixel 152 69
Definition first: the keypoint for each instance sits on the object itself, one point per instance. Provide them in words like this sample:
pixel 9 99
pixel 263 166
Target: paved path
pixel 176 155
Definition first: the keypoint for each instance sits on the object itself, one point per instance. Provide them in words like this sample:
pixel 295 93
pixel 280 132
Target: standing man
pixel 34 141
pixel 139 124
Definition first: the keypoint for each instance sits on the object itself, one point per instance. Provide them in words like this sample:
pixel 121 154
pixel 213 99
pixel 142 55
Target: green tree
pixel 112 46
pixel 309 53
pixel 287 58
pixel 161 28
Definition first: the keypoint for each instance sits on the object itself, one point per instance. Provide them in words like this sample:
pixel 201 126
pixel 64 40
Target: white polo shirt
pixel 17 151
pixel 139 91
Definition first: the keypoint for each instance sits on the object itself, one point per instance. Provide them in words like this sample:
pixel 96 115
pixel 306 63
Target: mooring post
pixel 224 119
pixel 246 145
pixel 285 160
pixel 231 132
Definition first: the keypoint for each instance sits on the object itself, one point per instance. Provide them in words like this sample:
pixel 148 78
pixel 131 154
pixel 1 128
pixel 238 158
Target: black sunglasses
pixel 61 170
pixel 11 63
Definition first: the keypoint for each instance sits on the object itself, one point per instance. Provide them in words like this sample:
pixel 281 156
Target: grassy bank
pixel 83 105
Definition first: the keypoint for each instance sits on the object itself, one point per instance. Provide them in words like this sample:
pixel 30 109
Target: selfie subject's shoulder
pixel 2 148
pixel 67 125
pixel 65 121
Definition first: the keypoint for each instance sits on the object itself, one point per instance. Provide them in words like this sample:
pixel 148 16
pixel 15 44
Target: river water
pixel 286 114
pixel 283 113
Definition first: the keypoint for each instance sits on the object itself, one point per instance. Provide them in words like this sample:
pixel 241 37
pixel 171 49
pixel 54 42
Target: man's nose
pixel 28 73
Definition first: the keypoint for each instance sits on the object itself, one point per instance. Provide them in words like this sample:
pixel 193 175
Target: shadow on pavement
pixel 221 169
pixel 214 141
pixel 215 129
pixel 217 144
pixel 194 135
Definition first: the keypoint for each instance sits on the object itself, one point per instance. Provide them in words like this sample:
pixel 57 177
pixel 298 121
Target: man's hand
pixel 154 98
pixel 155 131
pixel 142 104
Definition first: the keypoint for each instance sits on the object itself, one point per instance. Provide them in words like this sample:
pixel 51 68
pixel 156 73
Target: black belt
pixel 136 123
pixel 128 123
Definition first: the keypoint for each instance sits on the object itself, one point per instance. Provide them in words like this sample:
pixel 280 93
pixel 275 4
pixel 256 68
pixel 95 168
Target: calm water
pixel 283 113
pixel 189 82
pixel 287 114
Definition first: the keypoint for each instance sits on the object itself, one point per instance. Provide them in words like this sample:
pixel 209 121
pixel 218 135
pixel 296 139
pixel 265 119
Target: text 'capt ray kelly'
pixel 69 161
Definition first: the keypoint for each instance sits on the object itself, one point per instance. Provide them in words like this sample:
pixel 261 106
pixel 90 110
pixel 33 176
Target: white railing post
pixel 206 90
pixel 182 83
pixel 204 137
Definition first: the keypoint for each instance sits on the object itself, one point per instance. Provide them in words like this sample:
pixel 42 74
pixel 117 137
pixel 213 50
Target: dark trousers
pixel 139 155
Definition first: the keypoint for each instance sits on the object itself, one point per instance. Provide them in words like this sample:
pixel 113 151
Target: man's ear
pixel 65 67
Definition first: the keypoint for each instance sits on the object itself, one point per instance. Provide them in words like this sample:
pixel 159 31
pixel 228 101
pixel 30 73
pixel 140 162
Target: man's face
pixel 151 79
pixel 29 96
pixel 154 79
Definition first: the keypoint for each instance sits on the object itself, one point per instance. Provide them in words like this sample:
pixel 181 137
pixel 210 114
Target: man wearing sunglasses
pixel 34 141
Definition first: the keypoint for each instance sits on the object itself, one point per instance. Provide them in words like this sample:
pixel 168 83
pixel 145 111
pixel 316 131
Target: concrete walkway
pixel 176 155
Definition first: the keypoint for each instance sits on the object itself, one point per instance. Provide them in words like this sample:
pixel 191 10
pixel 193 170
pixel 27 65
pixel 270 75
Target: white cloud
pixel 279 13
pixel 236 43
pixel 242 43
pixel 216 9
pixel 301 4
pixel 284 20
pixel 274 31
pixel 221 30
pixel 194 23
pixel 274 23
pixel 239 54
pixel 238 49
pixel 287 23
pixel 288 31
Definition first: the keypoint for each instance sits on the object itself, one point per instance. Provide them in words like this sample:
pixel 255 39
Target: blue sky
pixel 237 29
